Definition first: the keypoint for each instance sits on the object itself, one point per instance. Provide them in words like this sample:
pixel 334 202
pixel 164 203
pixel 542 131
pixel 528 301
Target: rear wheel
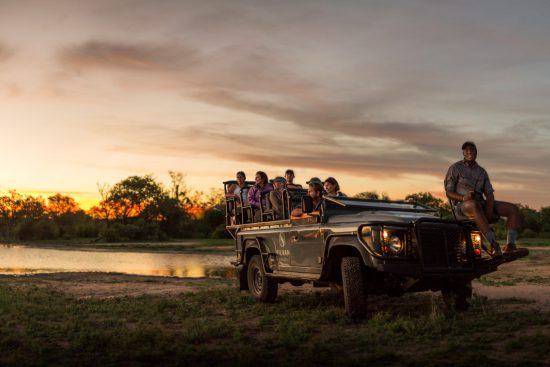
pixel 457 296
pixel 261 287
pixel 355 299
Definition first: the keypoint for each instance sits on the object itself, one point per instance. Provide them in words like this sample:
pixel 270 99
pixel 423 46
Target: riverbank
pixel 102 319
pixel 198 245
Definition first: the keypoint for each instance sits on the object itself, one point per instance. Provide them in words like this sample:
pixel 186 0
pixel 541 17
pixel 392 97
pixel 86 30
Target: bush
pixel 87 230
pixel 201 230
pixel 528 233
pixel 110 234
pixel 544 234
pixel 25 230
pixel 43 229
pixel 220 232
pixel 140 230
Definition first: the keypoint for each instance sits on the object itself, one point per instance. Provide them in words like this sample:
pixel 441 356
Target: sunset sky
pixel 379 94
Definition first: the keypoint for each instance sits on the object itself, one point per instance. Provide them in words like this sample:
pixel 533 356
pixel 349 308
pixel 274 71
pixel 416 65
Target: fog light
pixel 395 244
pixel 477 241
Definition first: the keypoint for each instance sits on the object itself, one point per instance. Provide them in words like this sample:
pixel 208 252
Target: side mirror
pixel 307 204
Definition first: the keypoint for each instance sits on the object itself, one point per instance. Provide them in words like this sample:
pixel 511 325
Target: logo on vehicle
pixel 281 240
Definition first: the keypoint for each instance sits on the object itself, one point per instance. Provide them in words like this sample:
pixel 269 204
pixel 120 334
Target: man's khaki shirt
pixel 462 179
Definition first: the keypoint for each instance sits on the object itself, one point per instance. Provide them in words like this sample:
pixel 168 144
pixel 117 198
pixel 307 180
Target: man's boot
pixel 496 252
pixel 510 250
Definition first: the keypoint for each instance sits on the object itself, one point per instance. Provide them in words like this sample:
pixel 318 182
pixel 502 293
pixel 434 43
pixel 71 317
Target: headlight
pixel 389 241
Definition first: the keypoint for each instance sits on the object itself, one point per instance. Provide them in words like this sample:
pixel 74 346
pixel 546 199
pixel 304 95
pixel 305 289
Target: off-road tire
pixel 457 297
pixel 261 287
pixel 355 299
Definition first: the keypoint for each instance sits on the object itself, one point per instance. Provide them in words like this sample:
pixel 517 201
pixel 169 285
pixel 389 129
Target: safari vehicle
pixel 364 246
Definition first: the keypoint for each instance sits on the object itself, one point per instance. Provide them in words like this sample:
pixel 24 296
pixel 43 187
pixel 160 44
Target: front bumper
pixel 406 268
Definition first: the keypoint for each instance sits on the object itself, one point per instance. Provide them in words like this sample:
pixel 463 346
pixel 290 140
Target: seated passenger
pixel 332 188
pixel 235 190
pixel 262 186
pixel 315 192
pixel 276 196
pixel 289 176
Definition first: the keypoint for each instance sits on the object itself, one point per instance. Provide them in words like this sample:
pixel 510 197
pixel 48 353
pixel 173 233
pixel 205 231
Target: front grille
pixel 442 247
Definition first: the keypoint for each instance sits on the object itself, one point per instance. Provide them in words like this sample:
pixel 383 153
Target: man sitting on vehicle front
pixel 466 184
pixel 315 192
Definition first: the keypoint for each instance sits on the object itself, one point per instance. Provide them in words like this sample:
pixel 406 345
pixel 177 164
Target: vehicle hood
pixel 374 215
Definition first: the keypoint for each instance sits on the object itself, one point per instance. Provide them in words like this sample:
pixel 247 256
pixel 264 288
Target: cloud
pixel 128 57
pixel 255 81
pixel 5 52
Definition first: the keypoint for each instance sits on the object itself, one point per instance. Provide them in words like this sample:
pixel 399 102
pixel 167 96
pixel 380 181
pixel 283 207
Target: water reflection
pixel 27 260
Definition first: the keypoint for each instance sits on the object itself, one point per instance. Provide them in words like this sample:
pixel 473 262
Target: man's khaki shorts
pixel 461 215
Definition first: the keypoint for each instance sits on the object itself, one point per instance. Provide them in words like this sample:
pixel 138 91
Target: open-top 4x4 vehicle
pixel 364 246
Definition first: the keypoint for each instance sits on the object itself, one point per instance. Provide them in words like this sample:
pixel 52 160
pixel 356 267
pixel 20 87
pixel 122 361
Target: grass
pixel 199 245
pixel 40 326
pixel 539 242
pixel 503 281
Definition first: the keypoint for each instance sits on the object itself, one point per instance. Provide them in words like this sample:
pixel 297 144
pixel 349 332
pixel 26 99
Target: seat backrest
pixel 295 197
pixel 244 195
pixel 266 211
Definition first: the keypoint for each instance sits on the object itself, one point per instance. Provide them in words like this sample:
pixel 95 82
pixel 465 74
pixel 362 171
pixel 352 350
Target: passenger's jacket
pixel 255 194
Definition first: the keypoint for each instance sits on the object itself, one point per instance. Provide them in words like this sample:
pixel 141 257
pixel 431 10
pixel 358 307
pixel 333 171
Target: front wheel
pixel 261 287
pixel 355 299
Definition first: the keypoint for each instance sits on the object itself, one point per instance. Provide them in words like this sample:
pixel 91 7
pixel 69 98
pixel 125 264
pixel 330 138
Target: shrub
pixel 110 234
pixel 528 233
pixel 87 230
pixel 43 229
pixel 139 230
pixel 25 230
pixel 220 232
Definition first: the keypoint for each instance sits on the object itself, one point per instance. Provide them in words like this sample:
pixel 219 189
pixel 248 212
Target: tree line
pixel 141 208
pixel 136 208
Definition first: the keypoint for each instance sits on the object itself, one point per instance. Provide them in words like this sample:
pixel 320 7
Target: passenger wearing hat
pixel 276 196
pixel 468 187
pixel 315 192
pixel 315 180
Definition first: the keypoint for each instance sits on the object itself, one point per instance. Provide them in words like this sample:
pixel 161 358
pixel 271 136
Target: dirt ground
pixel 526 279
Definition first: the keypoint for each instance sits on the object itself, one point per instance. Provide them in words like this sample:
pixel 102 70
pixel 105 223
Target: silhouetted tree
pixel 529 219
pixel 426 198
pixel 372 195
pixel 136 196
pixel 60 204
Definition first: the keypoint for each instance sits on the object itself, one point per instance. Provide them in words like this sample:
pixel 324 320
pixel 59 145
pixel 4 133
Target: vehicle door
pixel 305 245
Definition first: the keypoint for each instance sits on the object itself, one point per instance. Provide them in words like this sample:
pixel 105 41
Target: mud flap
pixel 241 278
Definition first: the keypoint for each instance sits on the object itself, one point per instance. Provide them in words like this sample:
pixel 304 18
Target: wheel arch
pixel 337 248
